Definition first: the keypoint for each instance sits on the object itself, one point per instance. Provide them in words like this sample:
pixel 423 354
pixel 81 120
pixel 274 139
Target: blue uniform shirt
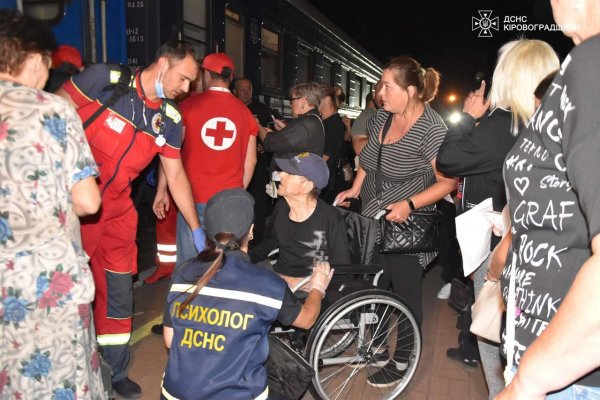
pixel 220 341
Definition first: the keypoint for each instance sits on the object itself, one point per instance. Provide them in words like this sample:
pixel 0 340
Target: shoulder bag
pixel 486 312
pixel 287 372
pixel 418 234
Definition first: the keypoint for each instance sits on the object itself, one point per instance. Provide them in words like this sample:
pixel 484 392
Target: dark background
pixel 438 33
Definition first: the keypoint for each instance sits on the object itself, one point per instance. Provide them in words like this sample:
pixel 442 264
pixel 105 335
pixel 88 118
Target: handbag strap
pixel 378 175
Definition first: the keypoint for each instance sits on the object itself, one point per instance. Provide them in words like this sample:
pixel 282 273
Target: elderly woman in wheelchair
pixel 303 227
pixel 364 330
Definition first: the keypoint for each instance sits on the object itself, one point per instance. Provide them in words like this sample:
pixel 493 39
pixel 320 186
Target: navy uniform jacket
pixel 220 339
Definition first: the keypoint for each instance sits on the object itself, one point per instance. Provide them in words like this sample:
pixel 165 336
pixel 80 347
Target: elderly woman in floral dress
pixel 47 179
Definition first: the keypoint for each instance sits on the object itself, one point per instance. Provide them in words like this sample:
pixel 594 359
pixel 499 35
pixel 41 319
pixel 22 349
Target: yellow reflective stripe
pixel 165 258
pixel 172 113
pixel 229 294
pixel 168 395
pixel 166 247
pixel 114 76
pixel 114 340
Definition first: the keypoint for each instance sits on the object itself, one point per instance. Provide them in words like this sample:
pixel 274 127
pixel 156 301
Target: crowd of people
pixel 236 180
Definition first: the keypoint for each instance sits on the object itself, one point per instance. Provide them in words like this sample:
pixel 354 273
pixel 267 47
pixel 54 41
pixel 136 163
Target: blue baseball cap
pixel 308 165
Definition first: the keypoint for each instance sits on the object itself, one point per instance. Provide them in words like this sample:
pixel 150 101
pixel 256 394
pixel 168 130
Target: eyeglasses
pixel 294 98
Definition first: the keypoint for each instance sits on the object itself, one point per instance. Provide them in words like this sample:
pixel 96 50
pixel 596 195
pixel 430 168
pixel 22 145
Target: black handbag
pixel 418 234
pixel 288 373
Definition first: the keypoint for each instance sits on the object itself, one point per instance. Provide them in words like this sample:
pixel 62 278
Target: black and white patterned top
pixel 405 165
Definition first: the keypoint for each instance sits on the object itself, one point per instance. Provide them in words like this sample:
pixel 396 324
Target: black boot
pixel 127 388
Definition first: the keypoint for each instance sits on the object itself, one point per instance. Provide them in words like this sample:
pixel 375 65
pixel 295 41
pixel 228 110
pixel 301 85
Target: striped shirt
pixel 405 165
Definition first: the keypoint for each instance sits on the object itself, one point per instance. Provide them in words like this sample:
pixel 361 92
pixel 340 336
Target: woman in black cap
pixel 220 308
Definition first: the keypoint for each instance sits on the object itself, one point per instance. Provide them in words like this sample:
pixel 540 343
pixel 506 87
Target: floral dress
pixel 47 344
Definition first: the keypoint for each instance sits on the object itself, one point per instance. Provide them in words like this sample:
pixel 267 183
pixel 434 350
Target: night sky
pixel 438 33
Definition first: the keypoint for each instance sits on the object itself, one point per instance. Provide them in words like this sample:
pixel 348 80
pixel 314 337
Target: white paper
pixel 474 234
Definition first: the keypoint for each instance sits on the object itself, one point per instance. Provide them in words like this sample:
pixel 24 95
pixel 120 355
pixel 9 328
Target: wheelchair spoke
pixel 367 347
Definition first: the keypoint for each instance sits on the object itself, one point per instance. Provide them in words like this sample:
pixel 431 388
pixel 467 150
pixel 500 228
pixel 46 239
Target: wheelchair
pixel 365 332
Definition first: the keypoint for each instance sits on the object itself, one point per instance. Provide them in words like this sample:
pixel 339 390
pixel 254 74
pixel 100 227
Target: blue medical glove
pixel 199 236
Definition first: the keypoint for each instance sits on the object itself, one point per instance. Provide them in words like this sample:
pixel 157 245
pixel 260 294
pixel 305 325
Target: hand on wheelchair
pixel 321 276
pixel 341 198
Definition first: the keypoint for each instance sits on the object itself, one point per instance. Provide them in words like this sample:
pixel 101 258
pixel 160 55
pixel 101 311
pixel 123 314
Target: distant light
pixel 454 118
pixel 452 98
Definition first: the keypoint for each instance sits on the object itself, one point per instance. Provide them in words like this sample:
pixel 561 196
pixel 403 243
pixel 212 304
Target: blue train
pixel 276 43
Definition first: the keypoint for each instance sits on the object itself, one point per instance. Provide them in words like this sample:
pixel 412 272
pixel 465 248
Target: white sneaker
pixel 444 292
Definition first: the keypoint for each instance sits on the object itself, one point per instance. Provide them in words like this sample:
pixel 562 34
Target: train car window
pixel 351 92
pixel 358 93
pixel 327 71
pixel 270 40
pixel 195 24
pixel 304 63
pixel 234 39
pixel 270 59
pixel 49 11
pixel 344 80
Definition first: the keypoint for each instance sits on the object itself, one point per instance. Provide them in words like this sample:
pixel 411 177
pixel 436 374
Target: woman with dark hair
pixel 220 308
pixel 332 97
pixel 407 133
pixel 47 178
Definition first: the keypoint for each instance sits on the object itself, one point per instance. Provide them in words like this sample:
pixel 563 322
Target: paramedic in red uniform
pixel 124 138
pixel 219 150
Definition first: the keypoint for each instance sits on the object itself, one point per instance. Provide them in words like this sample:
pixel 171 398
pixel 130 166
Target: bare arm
pixel 498 258
pixel 570 345
pixel 162 202
pixel 354 191
pixel 250 161
pixel 359 142
pixel 310 310
pixel 444 185
pixel 180 189
pixel 86 197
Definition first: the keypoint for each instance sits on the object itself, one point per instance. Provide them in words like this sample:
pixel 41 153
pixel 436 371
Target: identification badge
pixel 160 141
pixel 115 123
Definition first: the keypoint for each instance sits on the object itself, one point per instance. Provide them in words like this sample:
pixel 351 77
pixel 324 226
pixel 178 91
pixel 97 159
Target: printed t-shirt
pixel 552 182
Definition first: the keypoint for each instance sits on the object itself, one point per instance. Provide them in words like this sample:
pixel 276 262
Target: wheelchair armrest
pixel 354 269
pixel 348 269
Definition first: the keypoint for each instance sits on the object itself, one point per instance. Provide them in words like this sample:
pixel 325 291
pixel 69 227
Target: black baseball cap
pixel 229 211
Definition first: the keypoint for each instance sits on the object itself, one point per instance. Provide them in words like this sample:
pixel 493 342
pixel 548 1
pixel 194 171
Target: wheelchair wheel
pixel 366 345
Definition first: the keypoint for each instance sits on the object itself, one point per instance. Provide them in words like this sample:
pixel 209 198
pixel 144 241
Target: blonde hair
pixel 522 64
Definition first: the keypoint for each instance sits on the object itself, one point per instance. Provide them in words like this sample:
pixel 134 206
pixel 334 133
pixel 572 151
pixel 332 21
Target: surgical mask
pixel 158 85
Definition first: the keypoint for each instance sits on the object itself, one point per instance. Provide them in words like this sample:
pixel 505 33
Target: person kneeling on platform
pixel 220 308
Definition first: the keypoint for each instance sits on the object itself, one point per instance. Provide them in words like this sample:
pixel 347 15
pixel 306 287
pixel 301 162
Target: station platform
pixel 437 377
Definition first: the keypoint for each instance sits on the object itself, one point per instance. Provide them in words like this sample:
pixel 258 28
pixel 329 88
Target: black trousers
pixel 450 257
pixel 403 275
